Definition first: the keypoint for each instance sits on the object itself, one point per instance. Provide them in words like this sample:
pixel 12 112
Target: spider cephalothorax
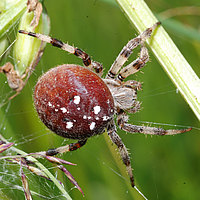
pixel 76 103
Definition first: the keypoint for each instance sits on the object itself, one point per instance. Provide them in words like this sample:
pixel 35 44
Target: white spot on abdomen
pixel 105 118
pixel 64 110
pixel 50 104
pixel 92 125
pixel 97 109
pixel 69 125
pixel 77 99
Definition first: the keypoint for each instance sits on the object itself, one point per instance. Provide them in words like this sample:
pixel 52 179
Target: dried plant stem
pixel 171 59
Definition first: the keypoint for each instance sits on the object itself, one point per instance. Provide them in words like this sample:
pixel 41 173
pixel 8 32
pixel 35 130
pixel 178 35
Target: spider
pixel 75 102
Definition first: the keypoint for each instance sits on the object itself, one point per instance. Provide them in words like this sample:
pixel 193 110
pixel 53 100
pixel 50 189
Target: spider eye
pixel 73 102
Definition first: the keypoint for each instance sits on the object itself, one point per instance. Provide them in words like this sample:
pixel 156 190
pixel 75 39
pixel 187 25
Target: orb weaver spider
pixel 75 102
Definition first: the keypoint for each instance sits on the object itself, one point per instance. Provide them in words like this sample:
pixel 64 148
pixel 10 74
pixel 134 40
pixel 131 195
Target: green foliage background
pixel 164 167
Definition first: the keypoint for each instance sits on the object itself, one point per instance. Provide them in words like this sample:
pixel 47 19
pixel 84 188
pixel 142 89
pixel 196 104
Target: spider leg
pixel 127 50
pixel 63 149
pixel 66 47
pixel 122 122
pixel 134 66
pixel 122 150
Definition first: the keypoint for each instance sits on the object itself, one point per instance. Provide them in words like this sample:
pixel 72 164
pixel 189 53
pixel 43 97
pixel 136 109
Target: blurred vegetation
pixel 164 167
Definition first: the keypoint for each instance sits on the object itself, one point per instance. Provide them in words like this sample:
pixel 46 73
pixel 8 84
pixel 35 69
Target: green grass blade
pixel 42 167
pixel 10 16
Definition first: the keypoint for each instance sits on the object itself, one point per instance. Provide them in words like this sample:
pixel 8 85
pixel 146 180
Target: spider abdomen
pixel 73 102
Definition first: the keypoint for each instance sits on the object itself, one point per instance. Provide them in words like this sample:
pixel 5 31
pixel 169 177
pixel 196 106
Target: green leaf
pixel 11 16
